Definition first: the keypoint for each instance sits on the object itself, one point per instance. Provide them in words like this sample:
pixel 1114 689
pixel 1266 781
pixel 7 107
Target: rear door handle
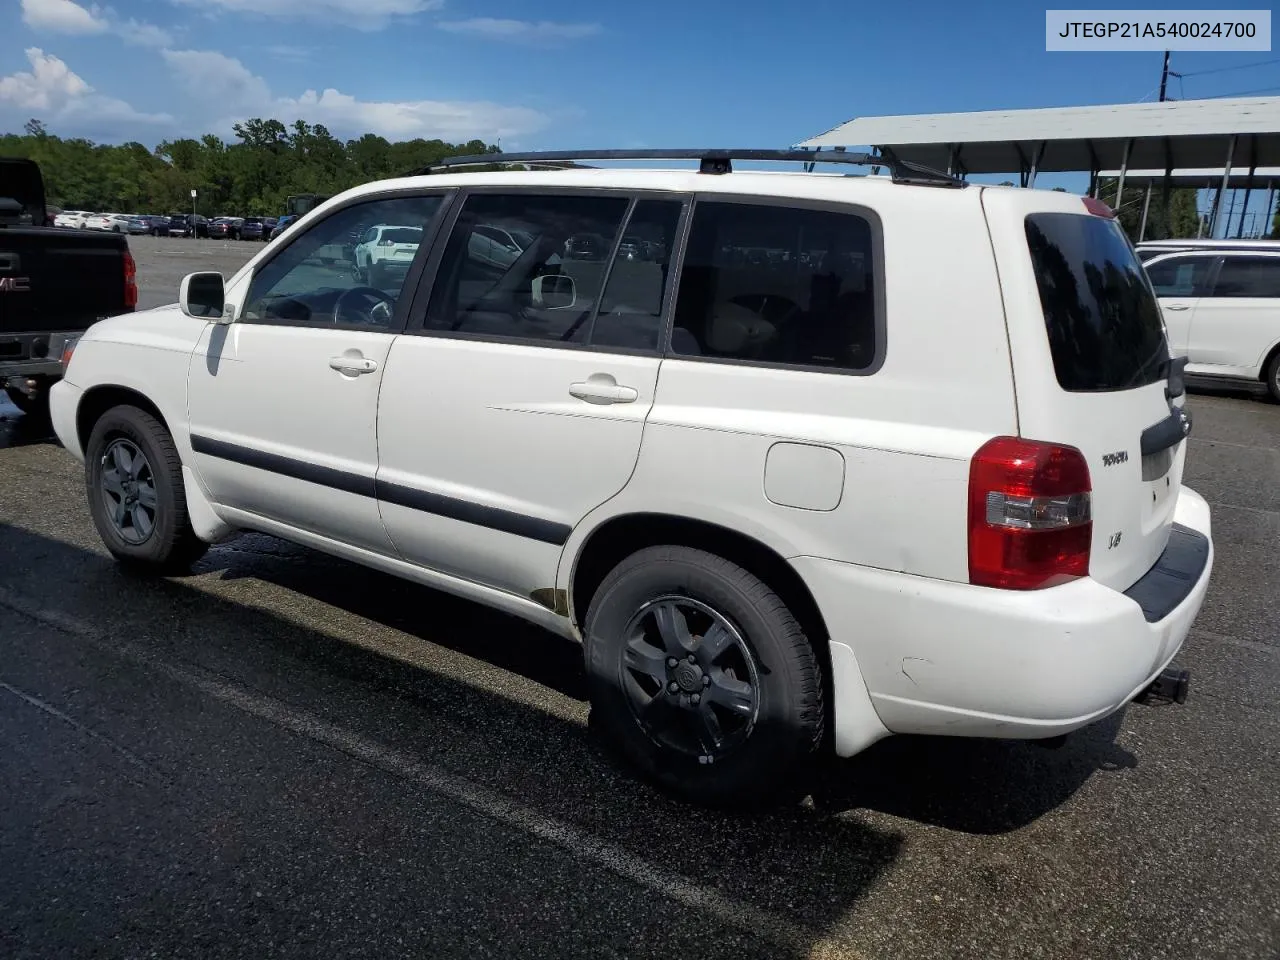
pixel 602 388
pixel 353 366
pixel 1177 306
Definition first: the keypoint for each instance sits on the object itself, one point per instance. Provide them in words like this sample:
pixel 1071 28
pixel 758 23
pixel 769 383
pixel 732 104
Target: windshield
pixel 1101 315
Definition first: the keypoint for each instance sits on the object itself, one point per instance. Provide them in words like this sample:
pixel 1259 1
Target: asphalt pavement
pixel 164 261
pixel 285 755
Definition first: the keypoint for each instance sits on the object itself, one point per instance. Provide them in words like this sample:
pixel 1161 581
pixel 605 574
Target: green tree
pixel 253 175
pixel 1183 216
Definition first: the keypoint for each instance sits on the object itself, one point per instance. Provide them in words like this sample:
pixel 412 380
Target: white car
pixel 1221 307
pixel 790 498
pixel 114 222
pixel 71 218
pixel 386 245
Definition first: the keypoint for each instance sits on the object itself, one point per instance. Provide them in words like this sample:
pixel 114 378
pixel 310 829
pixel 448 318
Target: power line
pixel 1242 66
pixel 1244 93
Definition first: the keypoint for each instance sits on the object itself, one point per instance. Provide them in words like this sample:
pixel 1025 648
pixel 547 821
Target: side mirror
pixel 554 291
pixel 203 297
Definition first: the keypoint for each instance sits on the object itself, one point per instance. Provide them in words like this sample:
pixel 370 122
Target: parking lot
pixel 164 261
pixel 287 755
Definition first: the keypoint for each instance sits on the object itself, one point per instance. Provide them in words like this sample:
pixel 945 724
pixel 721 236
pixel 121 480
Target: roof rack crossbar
pixel 710 161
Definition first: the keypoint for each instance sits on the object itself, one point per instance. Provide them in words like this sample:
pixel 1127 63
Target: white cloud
pixel 230 92
pixel 68 17
pixel 61 96
pixel 49 86
pixel 218 80
pixel 61 16
pixel 521 31
pixel 288 52
pixel 360 14
pixel 143 34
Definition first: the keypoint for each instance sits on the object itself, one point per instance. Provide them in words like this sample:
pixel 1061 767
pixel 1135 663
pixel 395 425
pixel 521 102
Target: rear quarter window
pixel 1100 314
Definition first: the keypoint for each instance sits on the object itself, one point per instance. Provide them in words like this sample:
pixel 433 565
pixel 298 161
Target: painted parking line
pixel 768 927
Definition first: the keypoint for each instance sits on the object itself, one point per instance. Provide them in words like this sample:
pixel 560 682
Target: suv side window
pixel 1248 277
pixel 778 284
pixel 631 308
pixel 313 281
pixel 547 289
pixel 1180 276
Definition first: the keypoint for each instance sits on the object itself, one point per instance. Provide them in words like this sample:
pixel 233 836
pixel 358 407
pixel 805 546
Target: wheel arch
pixel 99 399
pixel 1267 357
pixel 619 536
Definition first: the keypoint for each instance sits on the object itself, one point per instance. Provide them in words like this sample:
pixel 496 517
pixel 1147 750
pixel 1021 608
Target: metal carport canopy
pixel 1179 134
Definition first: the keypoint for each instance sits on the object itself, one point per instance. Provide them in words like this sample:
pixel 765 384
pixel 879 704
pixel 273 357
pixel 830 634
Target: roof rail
pixel 709 161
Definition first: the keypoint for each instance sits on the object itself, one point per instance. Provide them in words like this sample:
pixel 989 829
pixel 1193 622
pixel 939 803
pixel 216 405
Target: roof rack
pixel 709 161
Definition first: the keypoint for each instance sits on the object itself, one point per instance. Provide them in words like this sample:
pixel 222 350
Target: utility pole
pixel 1164 76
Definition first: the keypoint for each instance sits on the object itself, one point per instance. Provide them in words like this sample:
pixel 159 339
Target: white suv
pixel 823 459
pixel 1222 310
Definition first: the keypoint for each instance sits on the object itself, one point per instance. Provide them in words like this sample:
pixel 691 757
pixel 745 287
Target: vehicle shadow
pixel 19 430
pixel 969 785
pixel 805 866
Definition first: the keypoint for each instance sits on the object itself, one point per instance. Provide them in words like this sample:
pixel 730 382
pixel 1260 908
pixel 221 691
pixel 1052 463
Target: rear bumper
pixel 33 354
pixel 948 658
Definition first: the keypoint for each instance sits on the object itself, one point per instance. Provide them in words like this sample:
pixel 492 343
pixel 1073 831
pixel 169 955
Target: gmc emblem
pixel 15 284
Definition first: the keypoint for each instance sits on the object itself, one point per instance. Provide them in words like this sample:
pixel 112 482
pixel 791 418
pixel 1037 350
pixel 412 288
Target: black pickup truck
pixel 54 284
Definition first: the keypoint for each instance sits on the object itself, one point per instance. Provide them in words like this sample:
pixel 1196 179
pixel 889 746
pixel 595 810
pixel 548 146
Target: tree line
pixel 268 161
pixel 252 176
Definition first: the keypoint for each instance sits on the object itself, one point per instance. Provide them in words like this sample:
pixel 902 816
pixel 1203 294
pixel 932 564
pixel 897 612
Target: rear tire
pixel 739 656
pixel 139 509
pixel 1272 377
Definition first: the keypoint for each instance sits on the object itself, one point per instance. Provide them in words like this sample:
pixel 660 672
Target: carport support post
pixel 1146 205
pixel 1248 184
pixel 1124 168
pixel 1226 180
pixel 1267 221
pixel 1035 163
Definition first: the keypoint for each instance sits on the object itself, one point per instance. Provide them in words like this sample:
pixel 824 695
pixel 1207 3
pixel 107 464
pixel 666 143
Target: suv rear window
pixel 1104 325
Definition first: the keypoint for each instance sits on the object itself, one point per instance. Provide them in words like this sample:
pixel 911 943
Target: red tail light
pixel 130 281
pixel 1030 514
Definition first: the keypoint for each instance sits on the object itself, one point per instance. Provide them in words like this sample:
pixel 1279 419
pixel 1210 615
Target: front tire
pixel 137 498
pixel 702 678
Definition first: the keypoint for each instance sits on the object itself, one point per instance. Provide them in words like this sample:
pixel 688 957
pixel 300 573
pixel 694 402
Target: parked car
pixel 385 247
pixel 53 285
pixel 281 226
pixel 797 509
pixel 188 225
pixel 111 222
pixel 71 218
pixel 225 228
pixel 138 226
pixel 257 228
pixel 1221 306
pixel 156 226
pixel 1154 248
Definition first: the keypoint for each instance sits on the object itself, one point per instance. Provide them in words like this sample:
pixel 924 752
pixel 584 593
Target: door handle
pixel 353 366
pixel 602 388
pixel 1177 306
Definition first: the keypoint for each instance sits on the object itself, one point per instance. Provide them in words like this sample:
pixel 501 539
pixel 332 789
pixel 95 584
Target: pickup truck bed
pixel 54 283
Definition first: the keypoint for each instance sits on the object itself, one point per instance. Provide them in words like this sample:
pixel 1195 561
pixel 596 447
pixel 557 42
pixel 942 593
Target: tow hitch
pixel 1171 686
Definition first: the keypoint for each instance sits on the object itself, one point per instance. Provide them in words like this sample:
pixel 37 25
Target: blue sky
pixel 657 73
